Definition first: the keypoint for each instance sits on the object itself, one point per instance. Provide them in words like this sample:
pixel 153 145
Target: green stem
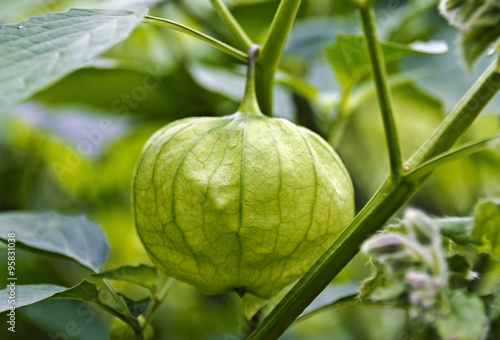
pixel 272 49
pixel 157 301
pixel 383 94
pixel 450 156
pixel 249 105
pixel 460 118
pixel 194 33
pixel 390 197
pixel 234 26
pixel 125 316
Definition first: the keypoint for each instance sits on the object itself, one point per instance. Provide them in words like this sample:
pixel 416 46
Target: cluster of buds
pixel 414 255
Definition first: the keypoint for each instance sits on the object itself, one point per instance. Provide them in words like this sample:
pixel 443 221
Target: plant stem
pixel 157 300
pixel 234 26
pixel 272 49
pixel 249 105
pixel 461 117
pixel 390 197
pixel 450 156
pixel 125 315
pixel 194 33
pixel 352 300
pixel 383 94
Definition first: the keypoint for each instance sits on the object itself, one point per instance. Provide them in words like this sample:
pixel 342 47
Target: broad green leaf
pixel 349 59
pixel 53 316
pixel 41 50
pixel 142 275
pixel 138 307
pixel 486 230
pixel 26 295
pixel 74 237
pixel 465 320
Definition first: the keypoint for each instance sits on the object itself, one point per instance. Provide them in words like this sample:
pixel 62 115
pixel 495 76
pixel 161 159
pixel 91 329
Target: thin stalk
pixel 450 156
pixel 383 94
pixel 126 316
pixel 460 118
pixel 157 301
pixel 272 49
pixel 194 33
pixel 249 105
pixel 234 26
pixel 352 300
pixel 390 197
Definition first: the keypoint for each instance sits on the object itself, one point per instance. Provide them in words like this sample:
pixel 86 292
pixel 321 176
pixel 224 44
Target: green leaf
pixel 466 318
pixel 84 291
pixel 458 229
pixel 486 230
pixel 41 50
pixel 74 237
pixel 26 295
pixel 478 22
pixel 142 275
pixel 476 42
pixel 136 307
pixel 348 56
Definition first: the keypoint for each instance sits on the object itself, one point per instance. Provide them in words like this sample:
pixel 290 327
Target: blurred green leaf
pixel 478 22
pixel 459 229
pixel 60 318
pixel 486 231
pixel 76 238
pixel 466 318
pixel 231 85
pixel 124 91
pixel 349 59
pixel 142 275
pixel 219 80
pixel 40 50
pixel 26 295
pixel 136 307
pixel 476 42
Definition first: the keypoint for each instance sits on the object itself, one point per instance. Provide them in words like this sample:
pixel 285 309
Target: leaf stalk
pixel 194 33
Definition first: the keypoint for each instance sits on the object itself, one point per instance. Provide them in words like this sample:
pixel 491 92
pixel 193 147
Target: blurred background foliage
pixel 73 146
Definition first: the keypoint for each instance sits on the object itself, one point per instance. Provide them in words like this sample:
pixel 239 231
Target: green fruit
pixel 242 203
pixel 119 330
